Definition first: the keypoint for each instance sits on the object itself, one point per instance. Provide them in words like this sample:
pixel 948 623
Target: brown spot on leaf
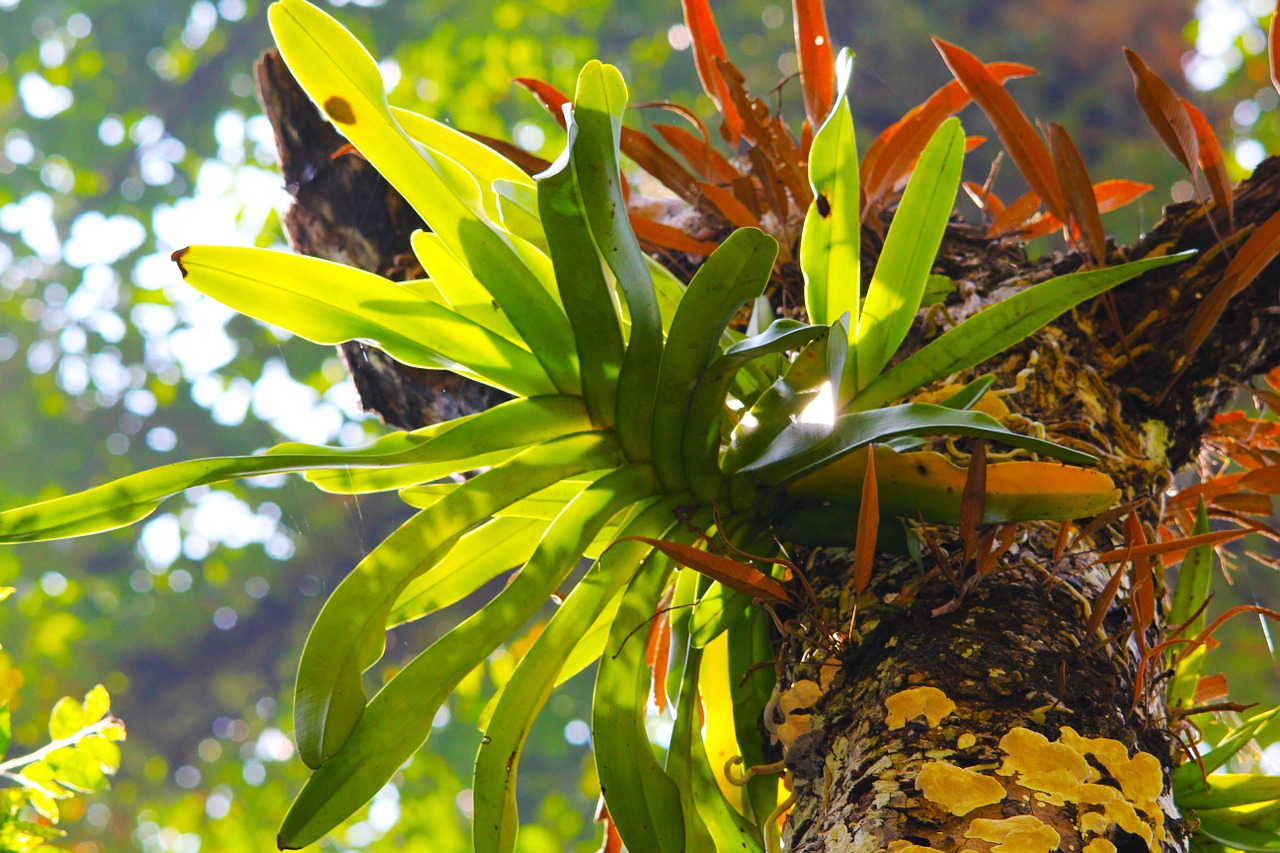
pixel 176 257
pixel 339 110
pixel 824 206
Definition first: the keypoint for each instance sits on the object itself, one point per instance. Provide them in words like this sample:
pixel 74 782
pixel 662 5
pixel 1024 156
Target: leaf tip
pixel 177 256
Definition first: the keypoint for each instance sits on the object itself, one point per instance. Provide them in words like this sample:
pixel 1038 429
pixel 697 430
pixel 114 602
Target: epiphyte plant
pixel 643 430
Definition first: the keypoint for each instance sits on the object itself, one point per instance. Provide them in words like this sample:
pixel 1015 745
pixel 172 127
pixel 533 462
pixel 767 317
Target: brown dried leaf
pixel 1078 191
pixel 864 551
pixel 665 237
pixel 973 502
pixel 1165 112
pixel 549 96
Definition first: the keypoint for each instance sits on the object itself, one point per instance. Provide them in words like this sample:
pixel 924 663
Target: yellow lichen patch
pixel 1140 777
pixel 1093 823
pixel 966 740
pixel 929 702
pixel 1041 765
pixel 1099 845
pixel 802 694
pixel 1123 815
pixel 791 728
pixel 1020 834
pixel 904 846
pixel 957 789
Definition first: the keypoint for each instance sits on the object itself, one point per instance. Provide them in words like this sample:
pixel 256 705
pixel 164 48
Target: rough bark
pixel 1010 651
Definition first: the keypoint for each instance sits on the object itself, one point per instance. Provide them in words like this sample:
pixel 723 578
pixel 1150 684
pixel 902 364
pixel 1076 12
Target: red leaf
pixel 1211 161
pixel 816 60
pixel 649 156
pixel 1164 111
pixel 707 48
pixel 727 203
pixel 864 550
pixel 1142 595
pixel 699 154
pixel 657 654
pixel 1116 193
pixel 988 201
pixel 666 237
pixel 1265 480
pixel 1103 602
pixel 1020 139
pixel 1078 191
pixel 549 96
pixel 974 499
pixel 1210 688
pixel 1257 252
pixel 740 576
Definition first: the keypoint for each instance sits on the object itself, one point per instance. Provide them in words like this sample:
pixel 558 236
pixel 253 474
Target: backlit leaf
pixel 864 552
pixel 1211 161
pixel 816 59
pixel 1165 112
pixel 707 48
pixel 1252 258
pixel 738 576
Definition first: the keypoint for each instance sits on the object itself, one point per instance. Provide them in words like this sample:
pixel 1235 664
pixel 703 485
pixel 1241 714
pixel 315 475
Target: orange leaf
pixel 1209 489
pixel 649 156
pixel 657 655
pixel 1016 215
pixel 1142 595
pixel 885 164
pixel 532 164
pixel 1265 480
pixel 1103 602
pixel 1164 111
pixel 816 60
pixel 727 203
pixel 1060 543
pixel 864 551
pixel 1257 252
pixel 1116 193
pixel 549 96
pixel 740 576
pixel 973 501
pixel 666 237
pixel 1211 161
pixel 994 546
pixel 1020 139
pixel 707 48
pixel 1250 504
pixel 698 153
pixel 1142 550
pixel 987 201
pixel 1210 688
pixel 1078 191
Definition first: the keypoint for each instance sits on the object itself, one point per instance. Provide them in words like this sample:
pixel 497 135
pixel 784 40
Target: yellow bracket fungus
pixel 1020 834
pixel 929 702
pixel 957 789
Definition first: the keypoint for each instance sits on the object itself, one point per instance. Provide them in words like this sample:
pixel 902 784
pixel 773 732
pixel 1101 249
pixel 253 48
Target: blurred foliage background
pixel 128 130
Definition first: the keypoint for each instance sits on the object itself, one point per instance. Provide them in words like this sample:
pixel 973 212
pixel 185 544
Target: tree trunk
pixel 996 751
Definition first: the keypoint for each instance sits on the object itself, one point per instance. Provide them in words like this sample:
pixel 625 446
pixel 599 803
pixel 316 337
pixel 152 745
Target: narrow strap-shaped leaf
pixel 1212 163
pixel 587 298
pixel 461 290
pixel 711 823
pixel 1020 139
pixel 329 303
pixel 1164 111
pixel 598 109
pixel 817 68
pixel 136 496
pixel 1190 776
pixel 927 485
pixel 643 801
pixel 998 327
pixel 398 719
pixel 831 242
pixel 1077 189
pixel 748 645
pixel 1226 790
pixel 1258 251
pixel 340 75
pixel 802 447
pixel 701 443
pixel 1238 837
pixel 480 556
pixel 906 260
pixel 530 685
pixel 707 48
pixel 1195 576
pixel 735 273
pixel 348 635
